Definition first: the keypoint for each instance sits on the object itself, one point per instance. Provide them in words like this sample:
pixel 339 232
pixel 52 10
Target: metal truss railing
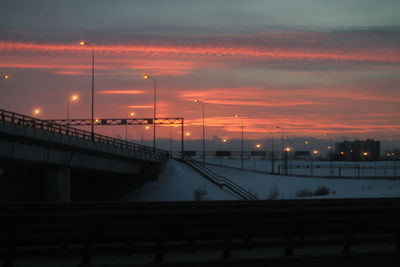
pixel 64 129
pixel 130 121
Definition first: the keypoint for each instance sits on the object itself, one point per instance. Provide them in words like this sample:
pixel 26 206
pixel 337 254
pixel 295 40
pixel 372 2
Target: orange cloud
pixel 140 106
pixel 234 51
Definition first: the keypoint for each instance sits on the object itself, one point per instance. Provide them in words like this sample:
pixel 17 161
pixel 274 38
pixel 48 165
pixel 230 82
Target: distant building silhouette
pixel 358 150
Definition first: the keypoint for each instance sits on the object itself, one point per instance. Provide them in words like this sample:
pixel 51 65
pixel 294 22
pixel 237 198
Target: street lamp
pixel 84 43
pixel 283 137
pixel 221 148
pixel 71 99
pixel 5 77
pixel 272 153
pixel 241 154
pixel 146 128
pixel 204 132
pixel 36 111
pixel 131 114
pixel 170 137
pixel 154 109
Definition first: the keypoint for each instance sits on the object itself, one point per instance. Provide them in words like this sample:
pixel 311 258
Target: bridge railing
pixel 221 181
pixel 32 122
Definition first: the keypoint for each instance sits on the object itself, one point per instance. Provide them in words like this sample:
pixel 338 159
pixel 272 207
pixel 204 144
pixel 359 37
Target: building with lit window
pixel 358 150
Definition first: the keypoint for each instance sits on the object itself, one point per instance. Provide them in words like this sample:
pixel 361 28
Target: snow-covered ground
pixel 179 182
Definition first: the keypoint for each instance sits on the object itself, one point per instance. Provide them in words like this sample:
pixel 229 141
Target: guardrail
pixel 220 181
pixel 327 227
pixel 278 173
pixel 27 121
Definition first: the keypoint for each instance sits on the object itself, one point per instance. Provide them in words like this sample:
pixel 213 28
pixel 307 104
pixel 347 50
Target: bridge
pixel 42 160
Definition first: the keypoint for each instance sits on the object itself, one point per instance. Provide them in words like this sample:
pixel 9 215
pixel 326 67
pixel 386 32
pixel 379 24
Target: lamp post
pixel 282 145
pixel 92 117
pixel 241 154
pixel 146 128
pixel 5 77
pixel 170 138
pixel 331 170
pixel 272 153
pixel 154 109
pixel 131 114
pixel 223 141
pixel 71 99
pixel 204 132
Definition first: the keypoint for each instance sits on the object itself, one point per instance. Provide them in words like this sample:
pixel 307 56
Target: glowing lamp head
pixel 83 43
pixel 6 77
pixel 288 149
pixel 341 153
pixel 237 116
pixel 187 134
pixel 146 77
pixel 176 125
pixel 147 127
pixel 258 145
pixel 74 98
pixel 196 101
pixel 224 140
pixel 36 111
pixel 132 114
pixel 329 147
pixel 306 142
pixel 97 120
pixel 365 153
pixel 315 152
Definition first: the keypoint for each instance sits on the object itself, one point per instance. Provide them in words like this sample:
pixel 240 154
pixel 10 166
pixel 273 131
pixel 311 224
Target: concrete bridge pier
pixel 57 185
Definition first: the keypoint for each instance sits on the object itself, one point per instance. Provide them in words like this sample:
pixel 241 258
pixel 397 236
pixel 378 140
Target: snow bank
pixel 179 182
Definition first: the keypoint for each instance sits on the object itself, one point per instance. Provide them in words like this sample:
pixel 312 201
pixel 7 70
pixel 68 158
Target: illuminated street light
pixel 146 128
pixel 272 153
pixel 188 134
pixel 204 132
pixel 241 154
pixel 170 137
pixel 131 114
pixel 224 140
pixel 258 145
pixel 154 108
pixel 71 99
pixel 36 111
pixel 315 152
pixel 288 149
pixel 5 77
pixel 365 153
pixel 84 43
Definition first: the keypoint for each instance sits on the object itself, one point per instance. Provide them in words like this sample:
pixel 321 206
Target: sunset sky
pixel 311 67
